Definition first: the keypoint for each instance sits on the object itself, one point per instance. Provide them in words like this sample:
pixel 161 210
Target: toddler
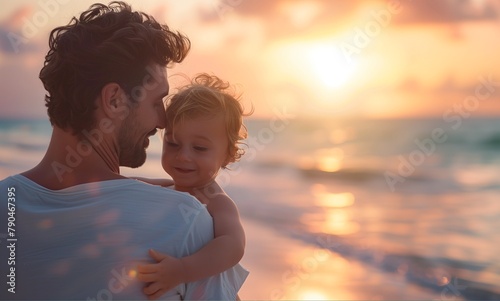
pixel 203 133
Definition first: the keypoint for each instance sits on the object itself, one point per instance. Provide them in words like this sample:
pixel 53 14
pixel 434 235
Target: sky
pixel 301 58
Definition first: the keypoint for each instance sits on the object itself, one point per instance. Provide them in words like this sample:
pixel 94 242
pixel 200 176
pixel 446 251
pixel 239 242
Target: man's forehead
pixel 164 86
pixel 157 78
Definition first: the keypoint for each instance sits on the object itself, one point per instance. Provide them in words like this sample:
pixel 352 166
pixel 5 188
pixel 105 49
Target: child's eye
pixel 172 144
pixel 200 148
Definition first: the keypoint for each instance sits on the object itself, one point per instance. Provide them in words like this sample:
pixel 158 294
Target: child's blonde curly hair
pixel 208 94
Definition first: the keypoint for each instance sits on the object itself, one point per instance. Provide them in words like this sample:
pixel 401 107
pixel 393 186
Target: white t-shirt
pixel 84 242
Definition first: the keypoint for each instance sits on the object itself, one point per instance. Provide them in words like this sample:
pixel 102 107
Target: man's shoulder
pixel 8 181
pixel 153 189
pixel 154 192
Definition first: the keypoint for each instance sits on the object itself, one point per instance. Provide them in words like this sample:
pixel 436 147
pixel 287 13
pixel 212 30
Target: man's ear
pixel 112 100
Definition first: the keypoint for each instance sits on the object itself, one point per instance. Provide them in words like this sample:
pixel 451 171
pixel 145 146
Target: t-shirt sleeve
pixel 213 288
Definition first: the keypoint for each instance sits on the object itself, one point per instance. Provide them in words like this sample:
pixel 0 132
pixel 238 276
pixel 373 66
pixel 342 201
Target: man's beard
pixel 132 150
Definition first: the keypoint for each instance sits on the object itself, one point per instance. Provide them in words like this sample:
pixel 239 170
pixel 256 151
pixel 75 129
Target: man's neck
pixel 70 161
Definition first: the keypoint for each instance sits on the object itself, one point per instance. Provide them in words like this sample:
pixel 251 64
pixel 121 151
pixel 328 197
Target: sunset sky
pixel 376 59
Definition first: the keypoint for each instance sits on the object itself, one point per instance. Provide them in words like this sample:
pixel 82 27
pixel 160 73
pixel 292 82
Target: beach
pixel 322 220
pixel 282 268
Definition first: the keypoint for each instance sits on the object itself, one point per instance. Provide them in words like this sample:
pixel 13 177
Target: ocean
pixel 414 200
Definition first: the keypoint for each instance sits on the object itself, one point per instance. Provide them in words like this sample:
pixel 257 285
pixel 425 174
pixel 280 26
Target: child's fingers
pixel 158 256
pixel 147 277
pixel 152 288
pixel 157 295
pixel 147 268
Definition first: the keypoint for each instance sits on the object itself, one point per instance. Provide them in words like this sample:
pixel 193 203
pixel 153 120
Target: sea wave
pixel 493 141
pixel 449 277
pixel 346 174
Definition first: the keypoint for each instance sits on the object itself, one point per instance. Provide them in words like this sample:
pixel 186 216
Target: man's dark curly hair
pixel 108 43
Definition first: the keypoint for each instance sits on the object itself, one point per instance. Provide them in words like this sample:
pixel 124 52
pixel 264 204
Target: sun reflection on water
pixel 336 200
pixel 338 222
pixel 320 277
pixel 339 136
pixel 334 216
pixel 328 160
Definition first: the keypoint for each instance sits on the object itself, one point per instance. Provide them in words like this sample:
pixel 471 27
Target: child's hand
pixel 161 276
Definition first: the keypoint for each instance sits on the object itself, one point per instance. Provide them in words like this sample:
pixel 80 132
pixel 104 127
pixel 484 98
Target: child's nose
pixel 184 154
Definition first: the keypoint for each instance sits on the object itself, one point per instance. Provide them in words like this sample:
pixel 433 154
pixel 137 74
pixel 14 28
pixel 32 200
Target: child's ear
pixel 112 99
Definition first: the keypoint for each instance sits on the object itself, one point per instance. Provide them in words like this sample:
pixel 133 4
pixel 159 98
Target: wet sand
pixel 283 268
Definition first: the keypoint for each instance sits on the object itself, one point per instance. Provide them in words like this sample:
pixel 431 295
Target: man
pixel 77 228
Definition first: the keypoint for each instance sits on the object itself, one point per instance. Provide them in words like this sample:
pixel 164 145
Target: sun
pixel 313 295
pixel 329 65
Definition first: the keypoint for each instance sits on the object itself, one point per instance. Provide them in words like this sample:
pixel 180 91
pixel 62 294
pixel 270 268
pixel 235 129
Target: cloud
pixel 447 11
pixel 286 19
pixel 279 15
pixel 15 19
pixel 247 43
pixel 16 32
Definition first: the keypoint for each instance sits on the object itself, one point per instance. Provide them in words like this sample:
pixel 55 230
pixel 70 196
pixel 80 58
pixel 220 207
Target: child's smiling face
pixel 194 151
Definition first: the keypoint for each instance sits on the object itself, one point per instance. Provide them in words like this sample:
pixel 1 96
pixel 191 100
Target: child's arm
pixel 159 182
pixel 228 246
pixel 220 254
